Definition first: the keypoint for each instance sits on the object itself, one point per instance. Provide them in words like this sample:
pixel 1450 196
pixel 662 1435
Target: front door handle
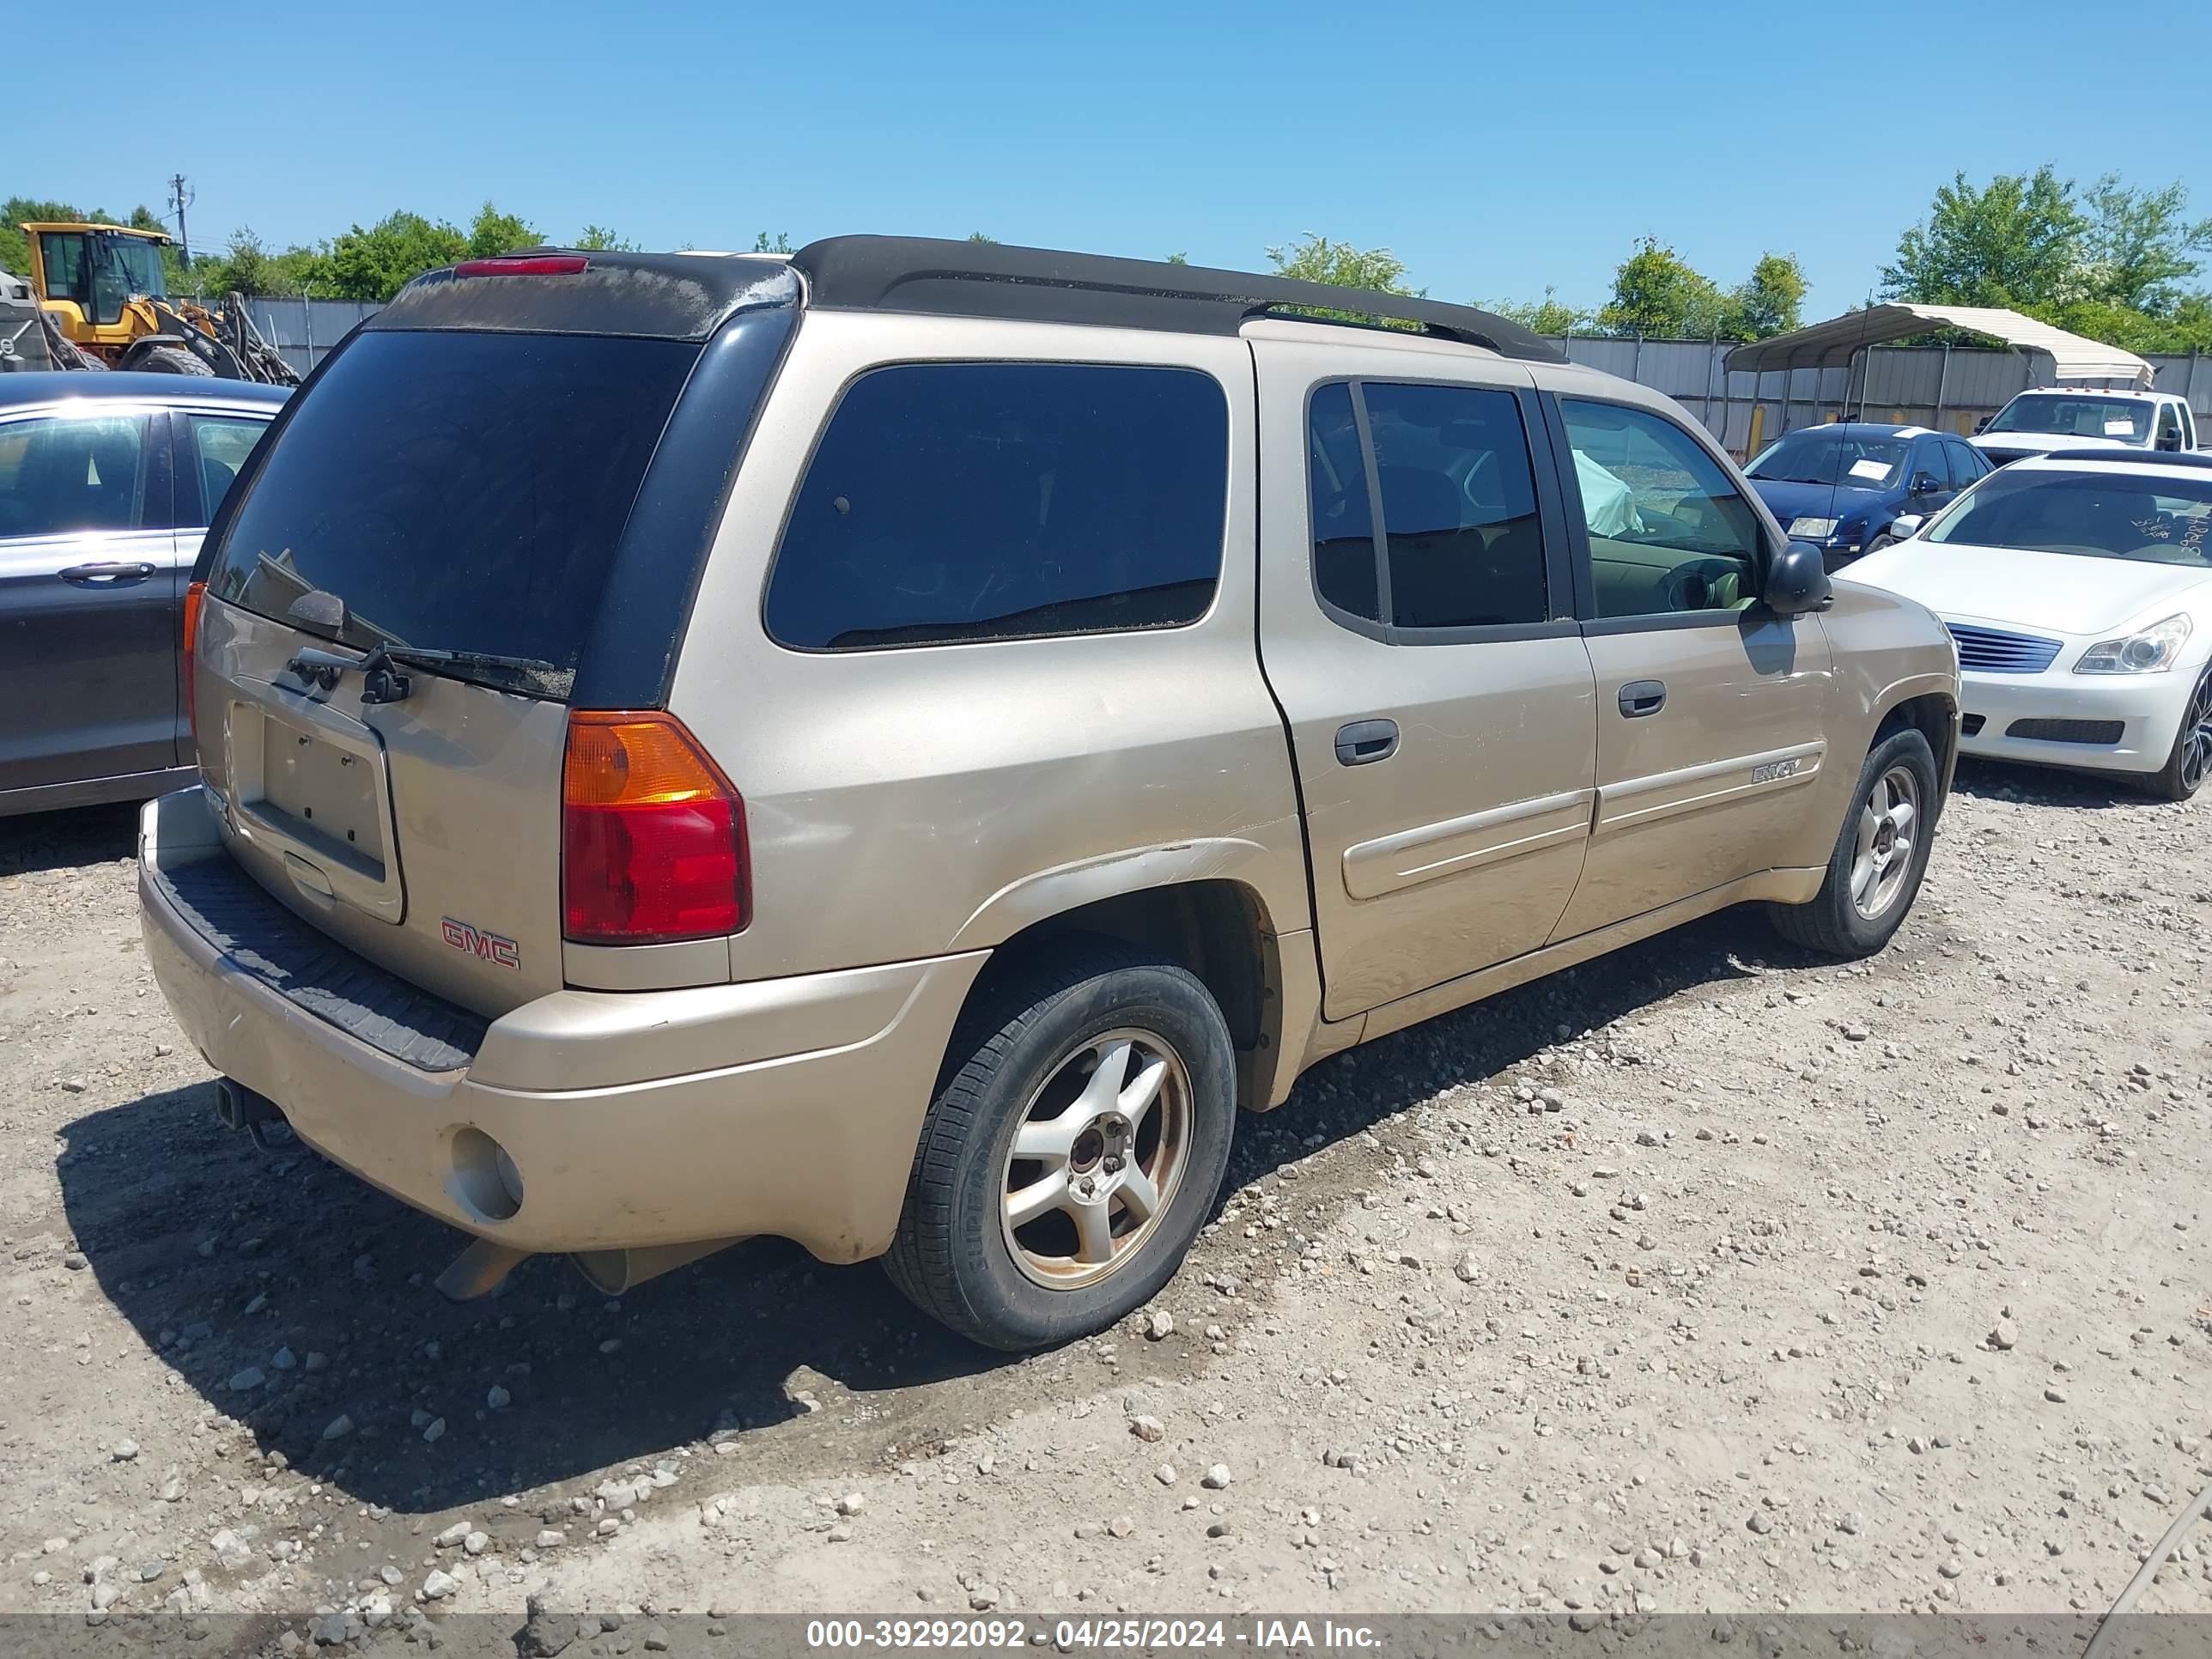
pixel 1365 742
pixel 1642 697
pixel 106 576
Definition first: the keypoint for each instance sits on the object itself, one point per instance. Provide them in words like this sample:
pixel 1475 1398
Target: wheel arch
pixel 1930 710
pixel 1219 929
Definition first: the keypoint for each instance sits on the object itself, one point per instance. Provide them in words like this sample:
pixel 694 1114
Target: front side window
pixel 2169 427
pixel 1668 530
pixel 1967 461
pixel 972 502
pixel 2093 514
pixel 61 477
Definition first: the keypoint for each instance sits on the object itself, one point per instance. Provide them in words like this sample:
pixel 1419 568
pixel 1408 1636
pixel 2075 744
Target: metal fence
pixel 1947 386
pixel 1953 387
pixel 304 330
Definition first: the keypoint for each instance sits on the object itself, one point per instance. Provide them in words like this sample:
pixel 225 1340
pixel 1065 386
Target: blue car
pixel 1840 486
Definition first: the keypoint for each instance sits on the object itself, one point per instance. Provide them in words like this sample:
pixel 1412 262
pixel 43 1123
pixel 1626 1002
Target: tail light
pixel 653 837
pixel 193 595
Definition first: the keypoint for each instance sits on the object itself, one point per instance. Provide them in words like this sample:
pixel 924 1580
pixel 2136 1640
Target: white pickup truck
pixel 2039 421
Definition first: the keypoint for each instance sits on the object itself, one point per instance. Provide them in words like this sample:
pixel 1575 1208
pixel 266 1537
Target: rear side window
pixel 956 501
pixel 1462 544
pixel 220 444
pixel 458 490
pixel 1459 507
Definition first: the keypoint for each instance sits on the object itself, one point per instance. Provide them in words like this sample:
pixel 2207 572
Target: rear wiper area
pixel 382 682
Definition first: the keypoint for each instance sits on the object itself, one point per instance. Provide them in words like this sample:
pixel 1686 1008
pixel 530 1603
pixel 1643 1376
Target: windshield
pixel 2074 416
pixel 1832 457
pixel 2101 515
pixel 140 263
pixel 458 491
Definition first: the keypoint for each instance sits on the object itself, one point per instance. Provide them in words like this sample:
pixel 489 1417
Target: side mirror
pixel 1797 581
pixel 1905 526
pixel 1982 425
pixel 2171 441
pixel 1923 484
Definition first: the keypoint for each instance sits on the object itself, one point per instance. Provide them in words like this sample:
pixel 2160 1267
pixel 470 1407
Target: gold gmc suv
pixel 891 747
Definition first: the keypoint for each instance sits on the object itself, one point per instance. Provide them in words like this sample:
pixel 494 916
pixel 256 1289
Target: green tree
pixel 2139 244
pixel 1340 264
pixel 375 263
pixel 492 233
pixel 2017 242
pixel 1178 259
pixel 1549 315
pixel 598 239
pixel 1771 300
pixel 781 244
pixel 1656 293
pixel 243 267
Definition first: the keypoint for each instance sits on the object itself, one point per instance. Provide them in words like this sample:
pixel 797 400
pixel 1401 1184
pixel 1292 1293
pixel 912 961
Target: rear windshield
pixel 458 491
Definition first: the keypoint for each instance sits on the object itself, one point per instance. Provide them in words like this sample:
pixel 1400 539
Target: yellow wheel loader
pixel 104 302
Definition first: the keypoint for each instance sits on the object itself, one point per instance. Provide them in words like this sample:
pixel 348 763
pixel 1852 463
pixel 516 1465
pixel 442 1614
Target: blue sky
pixel 1497 149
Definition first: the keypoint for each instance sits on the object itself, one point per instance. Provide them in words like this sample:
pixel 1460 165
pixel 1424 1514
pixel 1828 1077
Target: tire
pixel 2190 761
pixel 1874 545
pixel 1836 922
pixel 1026 1057
pixel 171 360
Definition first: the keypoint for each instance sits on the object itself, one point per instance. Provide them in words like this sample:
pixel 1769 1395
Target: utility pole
pixel 184 241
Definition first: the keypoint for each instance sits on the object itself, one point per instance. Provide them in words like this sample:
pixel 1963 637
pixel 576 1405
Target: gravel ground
pixel 1705 1278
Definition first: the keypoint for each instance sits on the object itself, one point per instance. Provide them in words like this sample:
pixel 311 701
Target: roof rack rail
pixel 2135 457
pixel 991 279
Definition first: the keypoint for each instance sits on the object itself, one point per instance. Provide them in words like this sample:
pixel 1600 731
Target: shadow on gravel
pixel 2045 786
pixel 59 840
pixel 221 1257
pixel 229 1261
pixel 1351 1093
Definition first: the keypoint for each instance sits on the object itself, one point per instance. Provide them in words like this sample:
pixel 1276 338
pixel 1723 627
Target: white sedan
pixel 2080 593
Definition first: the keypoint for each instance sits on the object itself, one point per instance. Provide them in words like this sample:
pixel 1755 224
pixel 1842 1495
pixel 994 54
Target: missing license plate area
pixel 321 795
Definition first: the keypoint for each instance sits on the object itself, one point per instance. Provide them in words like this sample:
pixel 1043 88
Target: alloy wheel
pixel 1889 818
pixel 1096 1159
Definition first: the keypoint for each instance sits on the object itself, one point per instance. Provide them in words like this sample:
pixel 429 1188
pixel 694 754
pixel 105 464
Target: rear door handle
pixel 106 576
pixel 1365 742
pixel 1642 697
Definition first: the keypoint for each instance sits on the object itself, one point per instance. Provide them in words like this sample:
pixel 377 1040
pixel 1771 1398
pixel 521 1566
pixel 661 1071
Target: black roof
pixel 688 296
pixel 990 279
pixel 46 386
pixel 2138 457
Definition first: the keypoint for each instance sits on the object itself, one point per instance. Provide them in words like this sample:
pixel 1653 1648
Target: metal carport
pixel 2055 357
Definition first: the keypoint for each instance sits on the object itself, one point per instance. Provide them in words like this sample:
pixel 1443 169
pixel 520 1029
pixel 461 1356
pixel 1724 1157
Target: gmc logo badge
pixel 488 947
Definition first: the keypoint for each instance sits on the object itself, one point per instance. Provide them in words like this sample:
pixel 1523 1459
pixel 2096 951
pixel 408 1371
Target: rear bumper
pixel 789 1107
pixel 2146 709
